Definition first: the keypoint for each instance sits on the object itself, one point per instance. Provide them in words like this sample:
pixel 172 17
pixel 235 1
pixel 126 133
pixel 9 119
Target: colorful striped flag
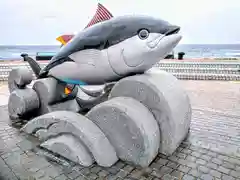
pixel 65 38
pixel 102 14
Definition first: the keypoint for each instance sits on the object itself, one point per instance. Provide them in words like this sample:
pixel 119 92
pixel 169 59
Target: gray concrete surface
pixel 130 128
pixel 70 147
pixel 4 94
pixel 165 97
pixel 51 93
pixel 21 102
pixel 211 150
pixel 19 78
pixel 65 122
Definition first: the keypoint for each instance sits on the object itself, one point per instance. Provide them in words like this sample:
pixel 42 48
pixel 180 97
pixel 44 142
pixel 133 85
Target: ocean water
pixel 191 51
pixel 13 52
pixel 209 50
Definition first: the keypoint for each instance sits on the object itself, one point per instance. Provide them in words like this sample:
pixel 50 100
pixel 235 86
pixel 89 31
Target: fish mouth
pixel 164 44
pixel 172 30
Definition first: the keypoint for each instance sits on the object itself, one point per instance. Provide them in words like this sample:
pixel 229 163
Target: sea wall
pixel 186 69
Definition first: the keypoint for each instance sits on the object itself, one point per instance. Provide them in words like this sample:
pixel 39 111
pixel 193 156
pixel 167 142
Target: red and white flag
pixel 102 14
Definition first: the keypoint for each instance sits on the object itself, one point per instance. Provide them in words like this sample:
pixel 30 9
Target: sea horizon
pixel 192 51
pixel 177 45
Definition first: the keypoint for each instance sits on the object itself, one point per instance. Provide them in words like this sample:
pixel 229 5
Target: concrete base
pixel 162 94
pixel 52 97
pixel 50 90
pixel 130 128
pixel 70 147
pixel 143 115
pixel 22 102
pixel 47 95
pixel 18 78
pixel 66 122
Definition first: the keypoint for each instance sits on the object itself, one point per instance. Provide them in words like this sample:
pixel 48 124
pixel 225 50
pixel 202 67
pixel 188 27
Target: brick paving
pixel 211 151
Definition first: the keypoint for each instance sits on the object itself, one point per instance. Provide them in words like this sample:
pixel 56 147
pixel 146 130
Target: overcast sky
pixel 41 21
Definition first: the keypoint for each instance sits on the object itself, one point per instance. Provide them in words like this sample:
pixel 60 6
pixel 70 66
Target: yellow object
pixel 61 40
pixel 67 90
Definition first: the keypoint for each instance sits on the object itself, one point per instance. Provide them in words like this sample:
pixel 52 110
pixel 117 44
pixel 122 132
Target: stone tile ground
pixel 211 151
pixel 3 93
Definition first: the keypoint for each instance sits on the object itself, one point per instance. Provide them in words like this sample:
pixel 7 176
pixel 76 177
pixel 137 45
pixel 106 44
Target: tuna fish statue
pixel 99 99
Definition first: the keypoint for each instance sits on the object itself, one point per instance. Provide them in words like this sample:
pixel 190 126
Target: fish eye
pixel 143 34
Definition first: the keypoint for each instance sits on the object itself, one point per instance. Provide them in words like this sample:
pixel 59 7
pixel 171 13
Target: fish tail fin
pixel 33 64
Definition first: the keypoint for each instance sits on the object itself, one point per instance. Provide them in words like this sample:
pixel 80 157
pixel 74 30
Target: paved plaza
pixel 211 150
